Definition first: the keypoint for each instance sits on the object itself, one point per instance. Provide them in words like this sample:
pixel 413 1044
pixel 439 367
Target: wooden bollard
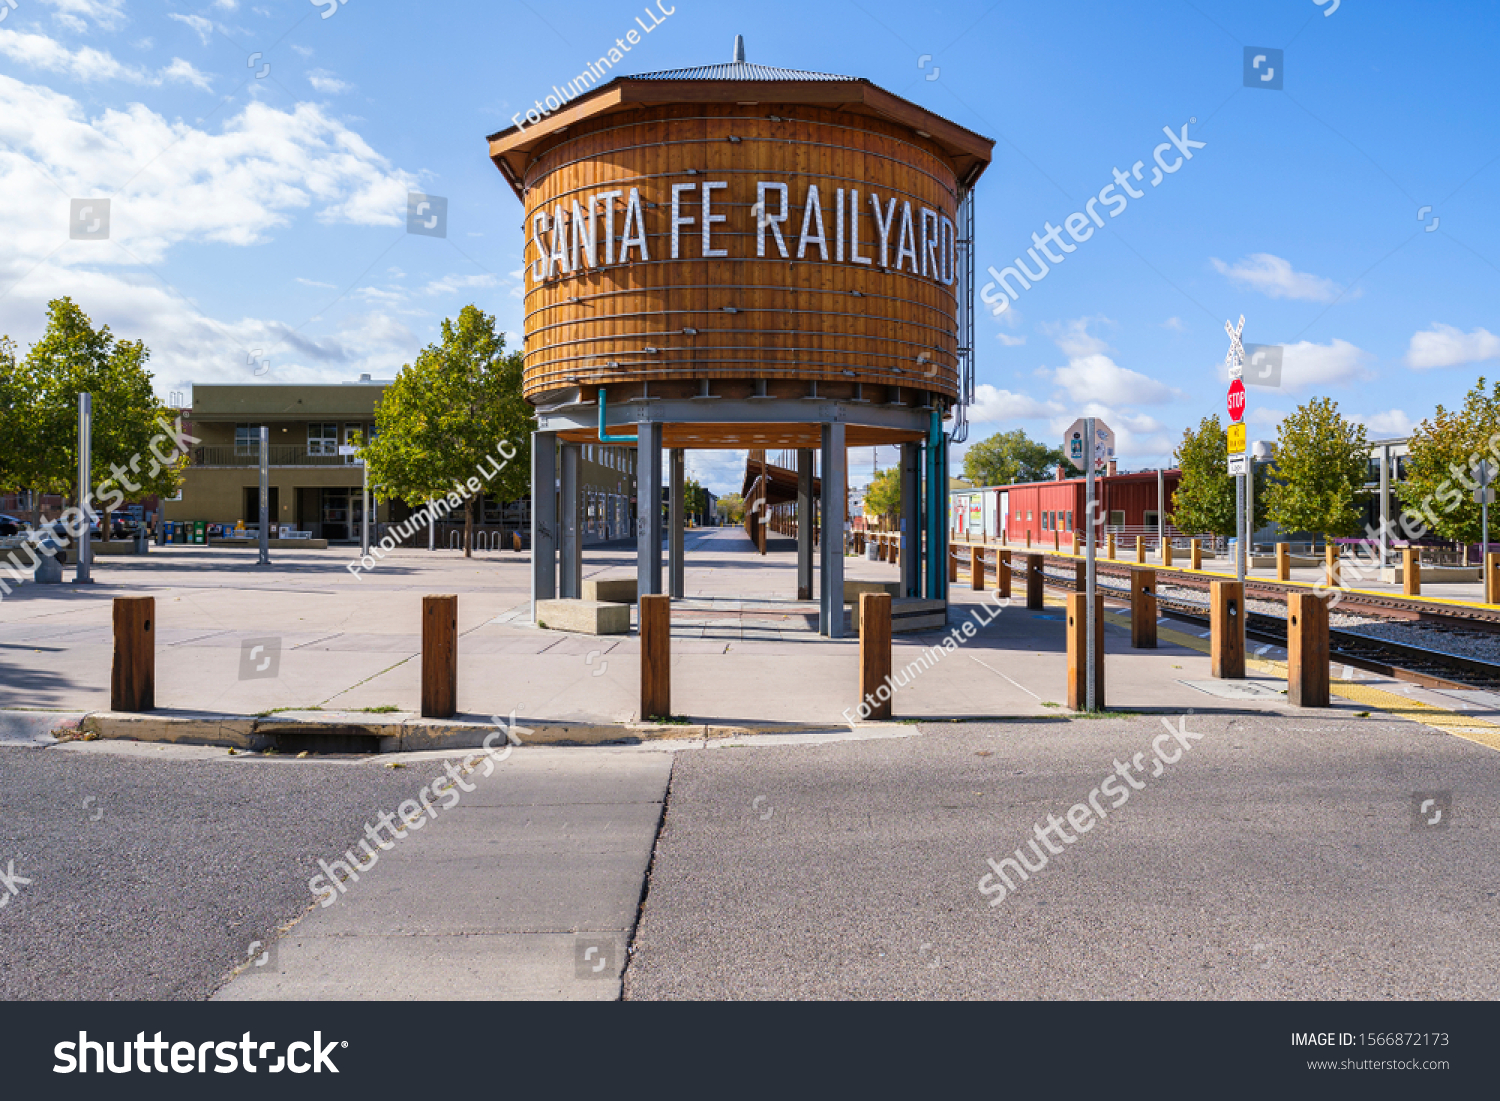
pixel 1028 540
pixel 656 656
pixel 1056 540
pixel 1195 553
pixel 1492 577
pixel 1411 571
pixel 1080 576
pixel 875 654
pixel 1002 574
pixel 132 676
pixel 1110 545
pixel 952 565
pixel 439 656
pixel 976 568
pixel 1078 646
pixel 1227 630
pixel 1331 564
pixel 1143 609
pixel 1140 550
pixel 1283 562
pixel 1004 536
pixel 1306 650
pixel 1166 552
pixel 1034 579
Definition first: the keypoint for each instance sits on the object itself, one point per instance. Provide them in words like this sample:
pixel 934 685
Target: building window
pixel 1117 519
pixel 1070 526
pixel 323 439
pixel 1028 516
pixel 246 439
pixel 1150 519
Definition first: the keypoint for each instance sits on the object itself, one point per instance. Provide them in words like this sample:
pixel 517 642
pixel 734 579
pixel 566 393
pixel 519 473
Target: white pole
pixel 1484 511
pixel 1385 506
pixel 1249 504
pixel 1161 513
pixel 265 497
pixel 85 472
pixel 364 516
pixel 1088 588
pixel 431 526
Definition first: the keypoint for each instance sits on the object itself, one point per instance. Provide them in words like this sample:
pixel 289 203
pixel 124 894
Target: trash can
pixel 872 551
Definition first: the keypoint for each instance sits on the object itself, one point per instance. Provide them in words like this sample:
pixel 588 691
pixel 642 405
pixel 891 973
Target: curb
pixel 356 732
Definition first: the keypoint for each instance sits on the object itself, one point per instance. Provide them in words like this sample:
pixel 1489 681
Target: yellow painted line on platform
pixel 1448 721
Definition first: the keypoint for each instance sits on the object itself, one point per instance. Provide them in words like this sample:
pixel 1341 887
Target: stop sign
pixel 1236 401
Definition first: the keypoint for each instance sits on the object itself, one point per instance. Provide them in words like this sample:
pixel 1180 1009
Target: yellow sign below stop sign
pixel 1236 439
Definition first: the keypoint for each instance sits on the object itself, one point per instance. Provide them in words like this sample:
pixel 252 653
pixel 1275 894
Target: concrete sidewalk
pixel 501 897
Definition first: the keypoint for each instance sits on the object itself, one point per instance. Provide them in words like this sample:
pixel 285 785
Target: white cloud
pixel 1307 364
pixel 73 13
pixel 88 64
pixel 1099 378
pixel 203 27
pixel 1448 346
pixel 992 405
pixel 1175 324
pixel 227 5
pixel 1393 422
pixel 1274 277
pixel 315 283
pixel 1074 338
pixel 324 81
pixel 1010 341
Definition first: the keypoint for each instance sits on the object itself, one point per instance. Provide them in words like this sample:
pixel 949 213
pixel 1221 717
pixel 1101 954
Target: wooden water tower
pixel 737 256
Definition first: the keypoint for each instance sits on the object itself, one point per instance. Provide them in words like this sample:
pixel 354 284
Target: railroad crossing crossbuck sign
pixel 1234 360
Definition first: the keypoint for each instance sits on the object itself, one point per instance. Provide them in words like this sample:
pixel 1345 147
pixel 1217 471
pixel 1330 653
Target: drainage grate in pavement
pixel 1238 689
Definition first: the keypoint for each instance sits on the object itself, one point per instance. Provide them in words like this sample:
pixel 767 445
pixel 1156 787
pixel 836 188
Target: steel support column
pixel 570 544
pixel 804 525
pixel 833 501
pixel 543 518
pixel 648 508
pixel 911 519
pixel 676 538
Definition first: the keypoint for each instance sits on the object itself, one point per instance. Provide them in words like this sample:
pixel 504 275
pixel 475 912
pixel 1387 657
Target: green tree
pixel 1442 467
pixel 1009 457
pixel 694 499
pixel 883 495
pixel 14 409
pixel 1322 460
pixel 732 508
pixel 129 457
pixel 452 410
pixel 1205 498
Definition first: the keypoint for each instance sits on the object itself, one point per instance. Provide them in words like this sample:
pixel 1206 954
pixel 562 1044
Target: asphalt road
pixel 152 872
pixel 1276 858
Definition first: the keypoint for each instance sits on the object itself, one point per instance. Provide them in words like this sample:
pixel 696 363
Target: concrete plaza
pixel 743 649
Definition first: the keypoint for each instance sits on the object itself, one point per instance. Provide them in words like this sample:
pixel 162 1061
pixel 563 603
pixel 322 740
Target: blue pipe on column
pixel 604 436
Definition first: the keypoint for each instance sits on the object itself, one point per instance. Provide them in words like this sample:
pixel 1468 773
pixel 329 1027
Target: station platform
pixel 742 651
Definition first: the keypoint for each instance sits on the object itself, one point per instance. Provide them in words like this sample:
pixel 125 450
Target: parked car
pixel 121 527
pixel 12 525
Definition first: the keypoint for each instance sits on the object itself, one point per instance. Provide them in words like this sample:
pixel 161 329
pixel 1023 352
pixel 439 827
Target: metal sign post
pixel 1484 493
pixel 265 497
pixel 85 472
pixel 1234 361
pixel 1088 517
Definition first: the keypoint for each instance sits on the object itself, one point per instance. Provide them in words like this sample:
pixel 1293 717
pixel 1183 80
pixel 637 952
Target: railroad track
pixel 1398 660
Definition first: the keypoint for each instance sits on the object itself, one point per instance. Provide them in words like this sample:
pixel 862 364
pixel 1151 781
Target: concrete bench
pixel 910 614
pixel 584 617
pixel 614 590
pixel 853 589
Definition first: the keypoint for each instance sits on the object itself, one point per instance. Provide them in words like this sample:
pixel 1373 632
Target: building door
pixel 336 515
pixel 251 512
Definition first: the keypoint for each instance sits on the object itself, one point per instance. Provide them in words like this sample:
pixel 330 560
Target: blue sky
pixel 257 222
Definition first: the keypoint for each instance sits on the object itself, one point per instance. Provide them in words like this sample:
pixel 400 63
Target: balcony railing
pixel 280 455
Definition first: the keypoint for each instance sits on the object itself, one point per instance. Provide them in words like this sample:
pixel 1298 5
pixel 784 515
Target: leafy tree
pixel 71 358
pixel 453 414
pixel 1009 457
pixel 883 495
pixel 732 508
pixel 694 499
pixel 1205 498
pixel 1442 467
pixel 14 408
pixel 1321 463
